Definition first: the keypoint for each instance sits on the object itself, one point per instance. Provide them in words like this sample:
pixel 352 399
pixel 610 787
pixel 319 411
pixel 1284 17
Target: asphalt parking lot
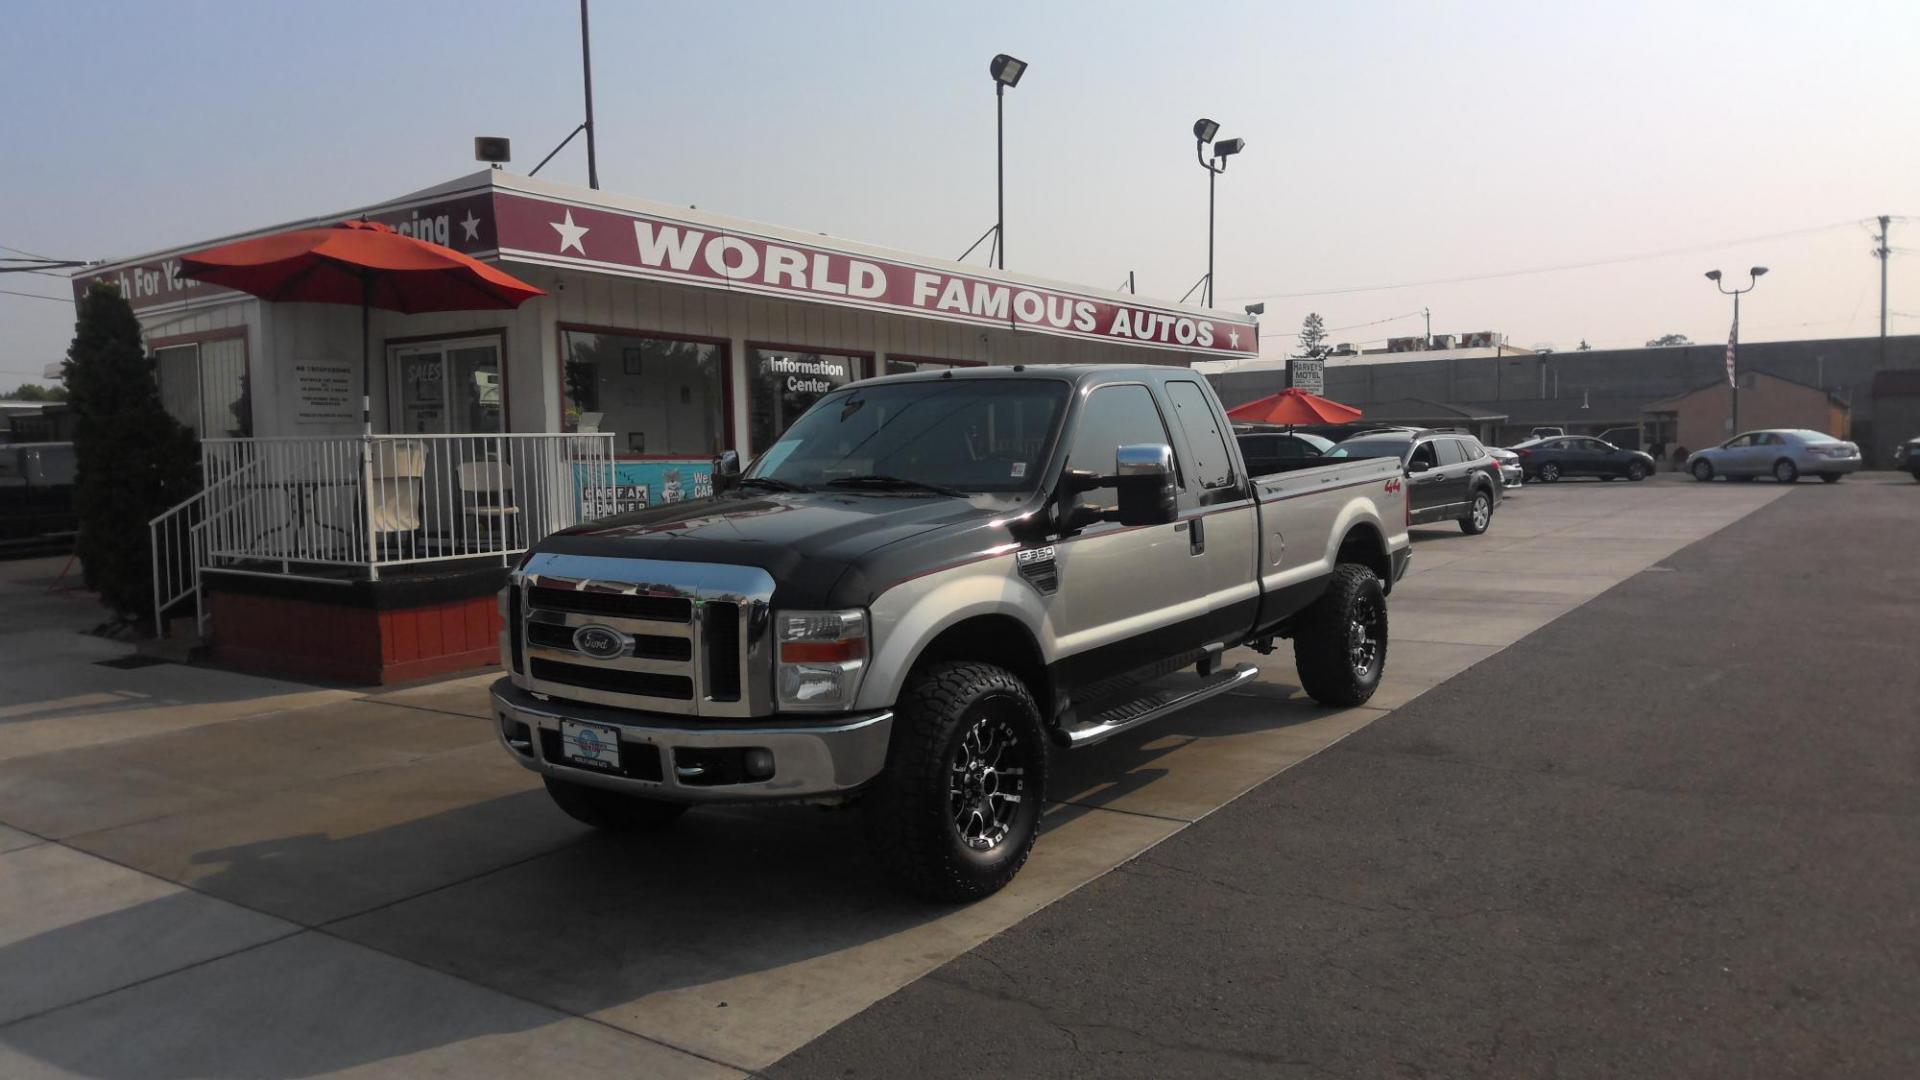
pixel 1637 796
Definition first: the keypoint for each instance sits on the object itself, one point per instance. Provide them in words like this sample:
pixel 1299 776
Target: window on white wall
pixel 204 386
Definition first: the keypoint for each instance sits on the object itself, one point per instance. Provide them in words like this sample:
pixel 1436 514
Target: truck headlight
pixel 820 657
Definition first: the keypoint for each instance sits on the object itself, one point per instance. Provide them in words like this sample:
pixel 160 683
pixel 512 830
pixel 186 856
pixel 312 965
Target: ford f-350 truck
pixel 922 584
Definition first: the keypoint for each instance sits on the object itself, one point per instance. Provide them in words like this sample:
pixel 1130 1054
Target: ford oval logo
pixel 600 642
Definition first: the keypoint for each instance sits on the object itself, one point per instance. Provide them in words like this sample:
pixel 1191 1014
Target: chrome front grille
pixel 687 638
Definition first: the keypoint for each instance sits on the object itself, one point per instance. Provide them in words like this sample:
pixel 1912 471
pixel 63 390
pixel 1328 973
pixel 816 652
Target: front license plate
pixel 590 744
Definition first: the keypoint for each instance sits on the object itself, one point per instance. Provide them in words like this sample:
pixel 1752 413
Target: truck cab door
pixel 1127 597
pixel 1224 534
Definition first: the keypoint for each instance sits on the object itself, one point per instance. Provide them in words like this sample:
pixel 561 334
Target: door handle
pixel 1197 537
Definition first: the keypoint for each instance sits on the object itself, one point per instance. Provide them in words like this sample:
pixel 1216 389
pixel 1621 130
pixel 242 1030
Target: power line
pixel 37 296
pixel 1643 256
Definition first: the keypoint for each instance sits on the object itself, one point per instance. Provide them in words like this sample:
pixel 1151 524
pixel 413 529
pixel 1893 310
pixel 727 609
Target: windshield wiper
pixel 893 483
pixel 771 484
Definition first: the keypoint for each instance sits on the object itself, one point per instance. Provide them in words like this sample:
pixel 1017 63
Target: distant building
pixel 1592 391
pixel 1700 417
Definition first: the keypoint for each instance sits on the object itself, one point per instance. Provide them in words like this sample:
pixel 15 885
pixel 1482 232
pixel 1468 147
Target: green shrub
pixel 135 461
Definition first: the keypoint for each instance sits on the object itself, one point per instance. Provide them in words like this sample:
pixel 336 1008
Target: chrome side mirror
pixel 1143 479
pixel 726 471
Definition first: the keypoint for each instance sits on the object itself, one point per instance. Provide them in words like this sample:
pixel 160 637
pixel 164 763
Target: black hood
pixel 808 541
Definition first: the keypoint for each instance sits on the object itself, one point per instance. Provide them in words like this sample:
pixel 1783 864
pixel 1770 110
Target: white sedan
pixel 1785 454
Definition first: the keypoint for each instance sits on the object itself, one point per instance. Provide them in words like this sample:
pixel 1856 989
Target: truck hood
pixel 806 540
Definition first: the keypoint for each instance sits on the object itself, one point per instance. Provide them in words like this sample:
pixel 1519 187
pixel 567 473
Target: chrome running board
pixel 1114 719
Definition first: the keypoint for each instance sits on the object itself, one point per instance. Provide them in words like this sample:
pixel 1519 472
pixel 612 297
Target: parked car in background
pixel 36 495
pixel 1907 456
pixel 1546 432
pixel 1266 450
pixel 1511 474
pixel 1782 453
pixel 1449 477
pixel 1581 455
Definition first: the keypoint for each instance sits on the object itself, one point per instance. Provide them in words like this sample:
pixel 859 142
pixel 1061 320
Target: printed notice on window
pixel 325 392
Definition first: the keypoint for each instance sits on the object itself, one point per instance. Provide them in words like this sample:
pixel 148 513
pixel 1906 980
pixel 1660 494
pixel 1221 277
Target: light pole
pixel 1203 132
pixel 1754 275
pixel 1006 71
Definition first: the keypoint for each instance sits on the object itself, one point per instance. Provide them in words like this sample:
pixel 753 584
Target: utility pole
pixel 1427 342
pixel 1882 252
pixel 586 71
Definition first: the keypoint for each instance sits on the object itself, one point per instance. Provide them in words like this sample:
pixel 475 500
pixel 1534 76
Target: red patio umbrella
pixel 359 262
pixel 1293 406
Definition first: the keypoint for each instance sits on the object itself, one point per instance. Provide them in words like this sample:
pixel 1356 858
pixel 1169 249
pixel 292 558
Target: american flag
pixel 1733 336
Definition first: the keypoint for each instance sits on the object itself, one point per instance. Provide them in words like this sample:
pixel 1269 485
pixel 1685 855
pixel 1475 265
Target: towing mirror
pixel 1143 478
pixel 726 471
pixel 1418 466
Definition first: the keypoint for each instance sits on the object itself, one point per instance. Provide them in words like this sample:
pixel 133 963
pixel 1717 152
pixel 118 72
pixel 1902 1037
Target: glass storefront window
pixel 204 386
pixel 784 383
pixel 658 396
pixel 449 387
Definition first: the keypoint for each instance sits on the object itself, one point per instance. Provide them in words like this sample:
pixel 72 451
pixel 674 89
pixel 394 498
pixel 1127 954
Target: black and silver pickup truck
pixel 925 583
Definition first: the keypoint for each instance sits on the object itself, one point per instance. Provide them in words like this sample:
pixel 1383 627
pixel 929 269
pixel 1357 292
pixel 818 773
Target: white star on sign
pixel 472 226
pixel 570 234
pixel 1234 337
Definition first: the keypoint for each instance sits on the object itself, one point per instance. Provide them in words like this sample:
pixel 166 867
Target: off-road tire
pixel 1829 477
pixel 1324 638
pixel 1785 471
pixel 1477 519
pixel 910 810
pixel 1637 472
pixel 1702 471
pixel 612 811
pixel 1550 473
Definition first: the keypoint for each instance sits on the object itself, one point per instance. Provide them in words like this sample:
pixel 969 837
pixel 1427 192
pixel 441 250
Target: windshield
pixel 963 434
pixel 1365 448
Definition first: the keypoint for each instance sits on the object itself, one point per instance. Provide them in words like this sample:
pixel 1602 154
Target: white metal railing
pixel 322 505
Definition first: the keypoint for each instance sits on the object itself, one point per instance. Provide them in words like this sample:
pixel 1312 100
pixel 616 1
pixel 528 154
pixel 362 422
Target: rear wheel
pixel 957 809
pixel 1785 471
pixel 1340 645
pixel 1479 514
pixel 1829 477
pixel 612 810
pixel 1550 472
pixel 1702 470
pixel 1637 471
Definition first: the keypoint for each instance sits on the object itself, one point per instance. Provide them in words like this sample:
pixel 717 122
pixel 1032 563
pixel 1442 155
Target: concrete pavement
pixel 205 848
pixel 1670 834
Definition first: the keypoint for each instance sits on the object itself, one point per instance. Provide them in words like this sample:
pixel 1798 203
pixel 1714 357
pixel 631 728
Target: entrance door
pixel 448 387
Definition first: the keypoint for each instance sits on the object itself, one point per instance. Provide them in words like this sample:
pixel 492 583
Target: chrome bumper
pixel 832 756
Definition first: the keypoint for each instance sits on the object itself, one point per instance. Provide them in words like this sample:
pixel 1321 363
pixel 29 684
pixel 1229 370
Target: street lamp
pixel 1203 132
pixel 1006 71
pixel 1754 274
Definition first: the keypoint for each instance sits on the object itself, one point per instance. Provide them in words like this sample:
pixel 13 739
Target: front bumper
pixel 1512 476
pixel 824 757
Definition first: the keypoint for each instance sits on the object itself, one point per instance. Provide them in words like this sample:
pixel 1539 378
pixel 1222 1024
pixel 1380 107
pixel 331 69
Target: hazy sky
pixel 1387 143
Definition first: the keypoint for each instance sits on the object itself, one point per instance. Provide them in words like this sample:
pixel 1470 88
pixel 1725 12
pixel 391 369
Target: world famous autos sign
pixel 660 248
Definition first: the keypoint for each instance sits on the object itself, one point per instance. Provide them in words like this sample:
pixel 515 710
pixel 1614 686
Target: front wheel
pixel 957 809
pixel 1340 645
pixel 1549 472
pixel 1637 471
pixel 1785 471
pixel 1702 471
pixel 1479 515
pixel 612 811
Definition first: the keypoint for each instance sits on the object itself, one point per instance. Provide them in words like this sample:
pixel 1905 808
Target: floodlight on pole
pixel 1203 132
pixel 1754 274
pixel 1006 71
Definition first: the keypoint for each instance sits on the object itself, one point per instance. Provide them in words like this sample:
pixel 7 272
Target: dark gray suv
pixel 1450 476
